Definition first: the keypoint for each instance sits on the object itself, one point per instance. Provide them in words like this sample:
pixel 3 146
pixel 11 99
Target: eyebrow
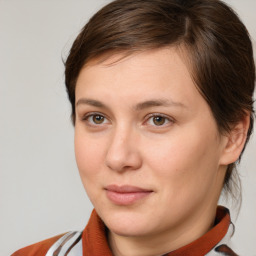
pixel 157 103
pixel 91 102
pixel 139 106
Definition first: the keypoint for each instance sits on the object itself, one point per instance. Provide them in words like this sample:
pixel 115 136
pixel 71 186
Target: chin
pixel 127 223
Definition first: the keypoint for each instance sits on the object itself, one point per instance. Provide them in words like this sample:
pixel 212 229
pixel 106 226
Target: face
pixel 147 146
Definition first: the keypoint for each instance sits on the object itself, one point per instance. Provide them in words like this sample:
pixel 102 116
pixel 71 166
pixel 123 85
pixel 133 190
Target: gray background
pixel 40 190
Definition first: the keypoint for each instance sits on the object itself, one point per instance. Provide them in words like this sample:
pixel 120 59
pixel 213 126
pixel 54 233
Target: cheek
pixel 184 160
pixel 185 172
pixel 88 155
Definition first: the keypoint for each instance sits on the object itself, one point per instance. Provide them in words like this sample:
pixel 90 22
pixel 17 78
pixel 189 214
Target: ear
pixel 234 141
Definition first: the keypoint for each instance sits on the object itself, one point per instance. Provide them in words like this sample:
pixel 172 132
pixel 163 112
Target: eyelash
pixel 91 115
pixel 167 119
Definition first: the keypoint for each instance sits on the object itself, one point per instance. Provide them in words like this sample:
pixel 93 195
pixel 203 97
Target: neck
pixel 162 243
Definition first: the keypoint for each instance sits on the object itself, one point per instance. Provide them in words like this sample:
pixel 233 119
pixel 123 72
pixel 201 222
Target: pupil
pixel 159 120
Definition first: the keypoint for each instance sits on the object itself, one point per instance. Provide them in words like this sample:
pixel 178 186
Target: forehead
pixel 160 73
pixel 112 57
pixel 168 59
pixel 152 68
pixel 151 64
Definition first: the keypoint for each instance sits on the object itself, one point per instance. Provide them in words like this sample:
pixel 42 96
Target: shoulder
pixel 38 249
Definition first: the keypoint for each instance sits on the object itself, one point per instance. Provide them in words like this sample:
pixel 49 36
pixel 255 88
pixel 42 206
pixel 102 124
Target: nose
pixel 123 153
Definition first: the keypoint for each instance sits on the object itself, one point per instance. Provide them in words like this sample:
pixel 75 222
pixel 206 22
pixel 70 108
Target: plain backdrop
pixel 40 190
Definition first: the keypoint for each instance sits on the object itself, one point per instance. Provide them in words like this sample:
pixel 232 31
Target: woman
pixel 161 94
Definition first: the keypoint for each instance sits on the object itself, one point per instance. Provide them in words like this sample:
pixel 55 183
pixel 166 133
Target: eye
pixel 158 120
pixel 95 119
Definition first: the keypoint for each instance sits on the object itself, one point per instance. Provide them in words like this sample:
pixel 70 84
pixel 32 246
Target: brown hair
pixel 217 44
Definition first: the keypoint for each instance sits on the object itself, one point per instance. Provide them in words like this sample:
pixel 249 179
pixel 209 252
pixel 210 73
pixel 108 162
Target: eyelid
pixel 90 114
pixel 170 119
pixel 147 118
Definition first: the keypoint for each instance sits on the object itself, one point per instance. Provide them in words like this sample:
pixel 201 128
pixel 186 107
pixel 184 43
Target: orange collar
pixel 94 238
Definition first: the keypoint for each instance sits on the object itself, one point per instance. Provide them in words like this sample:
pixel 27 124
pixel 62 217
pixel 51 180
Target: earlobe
pixel 235 141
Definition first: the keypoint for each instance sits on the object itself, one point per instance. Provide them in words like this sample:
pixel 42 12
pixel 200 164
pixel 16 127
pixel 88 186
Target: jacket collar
pixel 94 238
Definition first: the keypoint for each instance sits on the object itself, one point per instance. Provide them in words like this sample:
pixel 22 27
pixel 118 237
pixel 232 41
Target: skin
pixel 182 161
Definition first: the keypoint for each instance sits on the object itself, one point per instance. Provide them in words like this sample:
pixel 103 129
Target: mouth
pixel 126 194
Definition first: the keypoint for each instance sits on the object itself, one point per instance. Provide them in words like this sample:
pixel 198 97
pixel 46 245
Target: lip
pixel 126 194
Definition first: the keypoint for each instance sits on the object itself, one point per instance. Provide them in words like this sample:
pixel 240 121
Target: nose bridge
pixel 122 153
